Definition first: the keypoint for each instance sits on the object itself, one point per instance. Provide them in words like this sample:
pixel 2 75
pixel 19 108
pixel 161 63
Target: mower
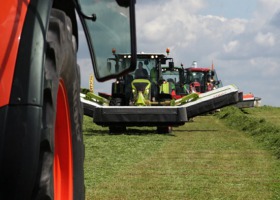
pixel 155 94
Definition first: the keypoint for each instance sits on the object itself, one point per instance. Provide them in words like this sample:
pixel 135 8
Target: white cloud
pixel 245 50
pixel 168 20
pixel 267 39
pixel 266 67
pixel 231 46
pixel 264 11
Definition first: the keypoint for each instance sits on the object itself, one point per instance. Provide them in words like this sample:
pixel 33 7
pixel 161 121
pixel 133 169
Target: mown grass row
pixel 263 129
pixel 203 159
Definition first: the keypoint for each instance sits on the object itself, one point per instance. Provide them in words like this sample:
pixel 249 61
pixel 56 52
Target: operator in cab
pixel 141 72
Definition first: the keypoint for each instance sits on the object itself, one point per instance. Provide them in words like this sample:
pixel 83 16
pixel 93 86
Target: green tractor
pixel 141 98
pixel 153 83
pixel 155 94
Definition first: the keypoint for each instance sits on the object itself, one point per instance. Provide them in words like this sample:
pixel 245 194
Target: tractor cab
pixel 175 78
pixel 148 79
pixel 201 79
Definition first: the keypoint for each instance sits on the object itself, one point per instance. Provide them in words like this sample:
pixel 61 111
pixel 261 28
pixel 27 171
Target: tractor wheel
pixel 60 174
pixel 164 129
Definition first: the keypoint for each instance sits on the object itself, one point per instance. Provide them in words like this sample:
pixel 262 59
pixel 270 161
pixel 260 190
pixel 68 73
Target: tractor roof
pixel 151 55
pixel 144 55
pixel 198 69
pixel 175 67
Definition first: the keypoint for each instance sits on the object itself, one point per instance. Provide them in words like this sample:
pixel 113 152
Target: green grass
pixel 267 113
pixel 107 154
pixel 261 123
pixel 203 159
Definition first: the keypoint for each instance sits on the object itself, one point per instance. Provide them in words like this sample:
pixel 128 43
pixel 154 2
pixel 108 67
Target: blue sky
pixel 242 38
pixel 230 9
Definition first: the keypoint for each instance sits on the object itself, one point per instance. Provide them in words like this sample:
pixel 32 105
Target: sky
pixel 241 38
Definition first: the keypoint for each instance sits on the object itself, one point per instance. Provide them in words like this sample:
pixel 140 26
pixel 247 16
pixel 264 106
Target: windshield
pixel 111 30
pixel 195 77
pixel 147 65
pixel 121 62
pixel 171 76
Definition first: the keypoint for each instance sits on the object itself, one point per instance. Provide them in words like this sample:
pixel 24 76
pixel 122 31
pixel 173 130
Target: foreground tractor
pixel 41 141
pixel 155 94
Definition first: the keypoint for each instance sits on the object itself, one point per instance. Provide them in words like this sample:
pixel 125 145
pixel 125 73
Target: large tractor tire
pixel 60 173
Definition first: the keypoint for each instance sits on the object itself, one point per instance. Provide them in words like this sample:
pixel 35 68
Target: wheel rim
pixel 63 170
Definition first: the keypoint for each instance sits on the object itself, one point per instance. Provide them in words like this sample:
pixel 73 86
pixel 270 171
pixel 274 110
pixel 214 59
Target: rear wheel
pixel 60 173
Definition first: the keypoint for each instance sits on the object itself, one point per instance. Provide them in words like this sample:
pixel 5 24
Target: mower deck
pixel 161 115
pixel 213 100
pixel 140 116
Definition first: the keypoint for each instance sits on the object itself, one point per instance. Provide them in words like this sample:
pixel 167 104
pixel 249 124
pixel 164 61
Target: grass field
pixel 261 123
pixel 206 159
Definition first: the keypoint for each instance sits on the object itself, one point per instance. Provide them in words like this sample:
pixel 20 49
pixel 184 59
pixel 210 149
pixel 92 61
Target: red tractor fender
pixel 12 17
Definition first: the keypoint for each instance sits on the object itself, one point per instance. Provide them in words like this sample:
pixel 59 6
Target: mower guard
pixel 140 116
pixel 161 115
pixel 248 101
pixel 212 100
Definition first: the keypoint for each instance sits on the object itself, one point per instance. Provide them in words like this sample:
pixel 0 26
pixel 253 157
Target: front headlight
pixel 147 91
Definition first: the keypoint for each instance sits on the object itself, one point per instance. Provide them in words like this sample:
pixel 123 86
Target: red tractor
pixel 205 79
pixel 41 141
pixel 201 79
